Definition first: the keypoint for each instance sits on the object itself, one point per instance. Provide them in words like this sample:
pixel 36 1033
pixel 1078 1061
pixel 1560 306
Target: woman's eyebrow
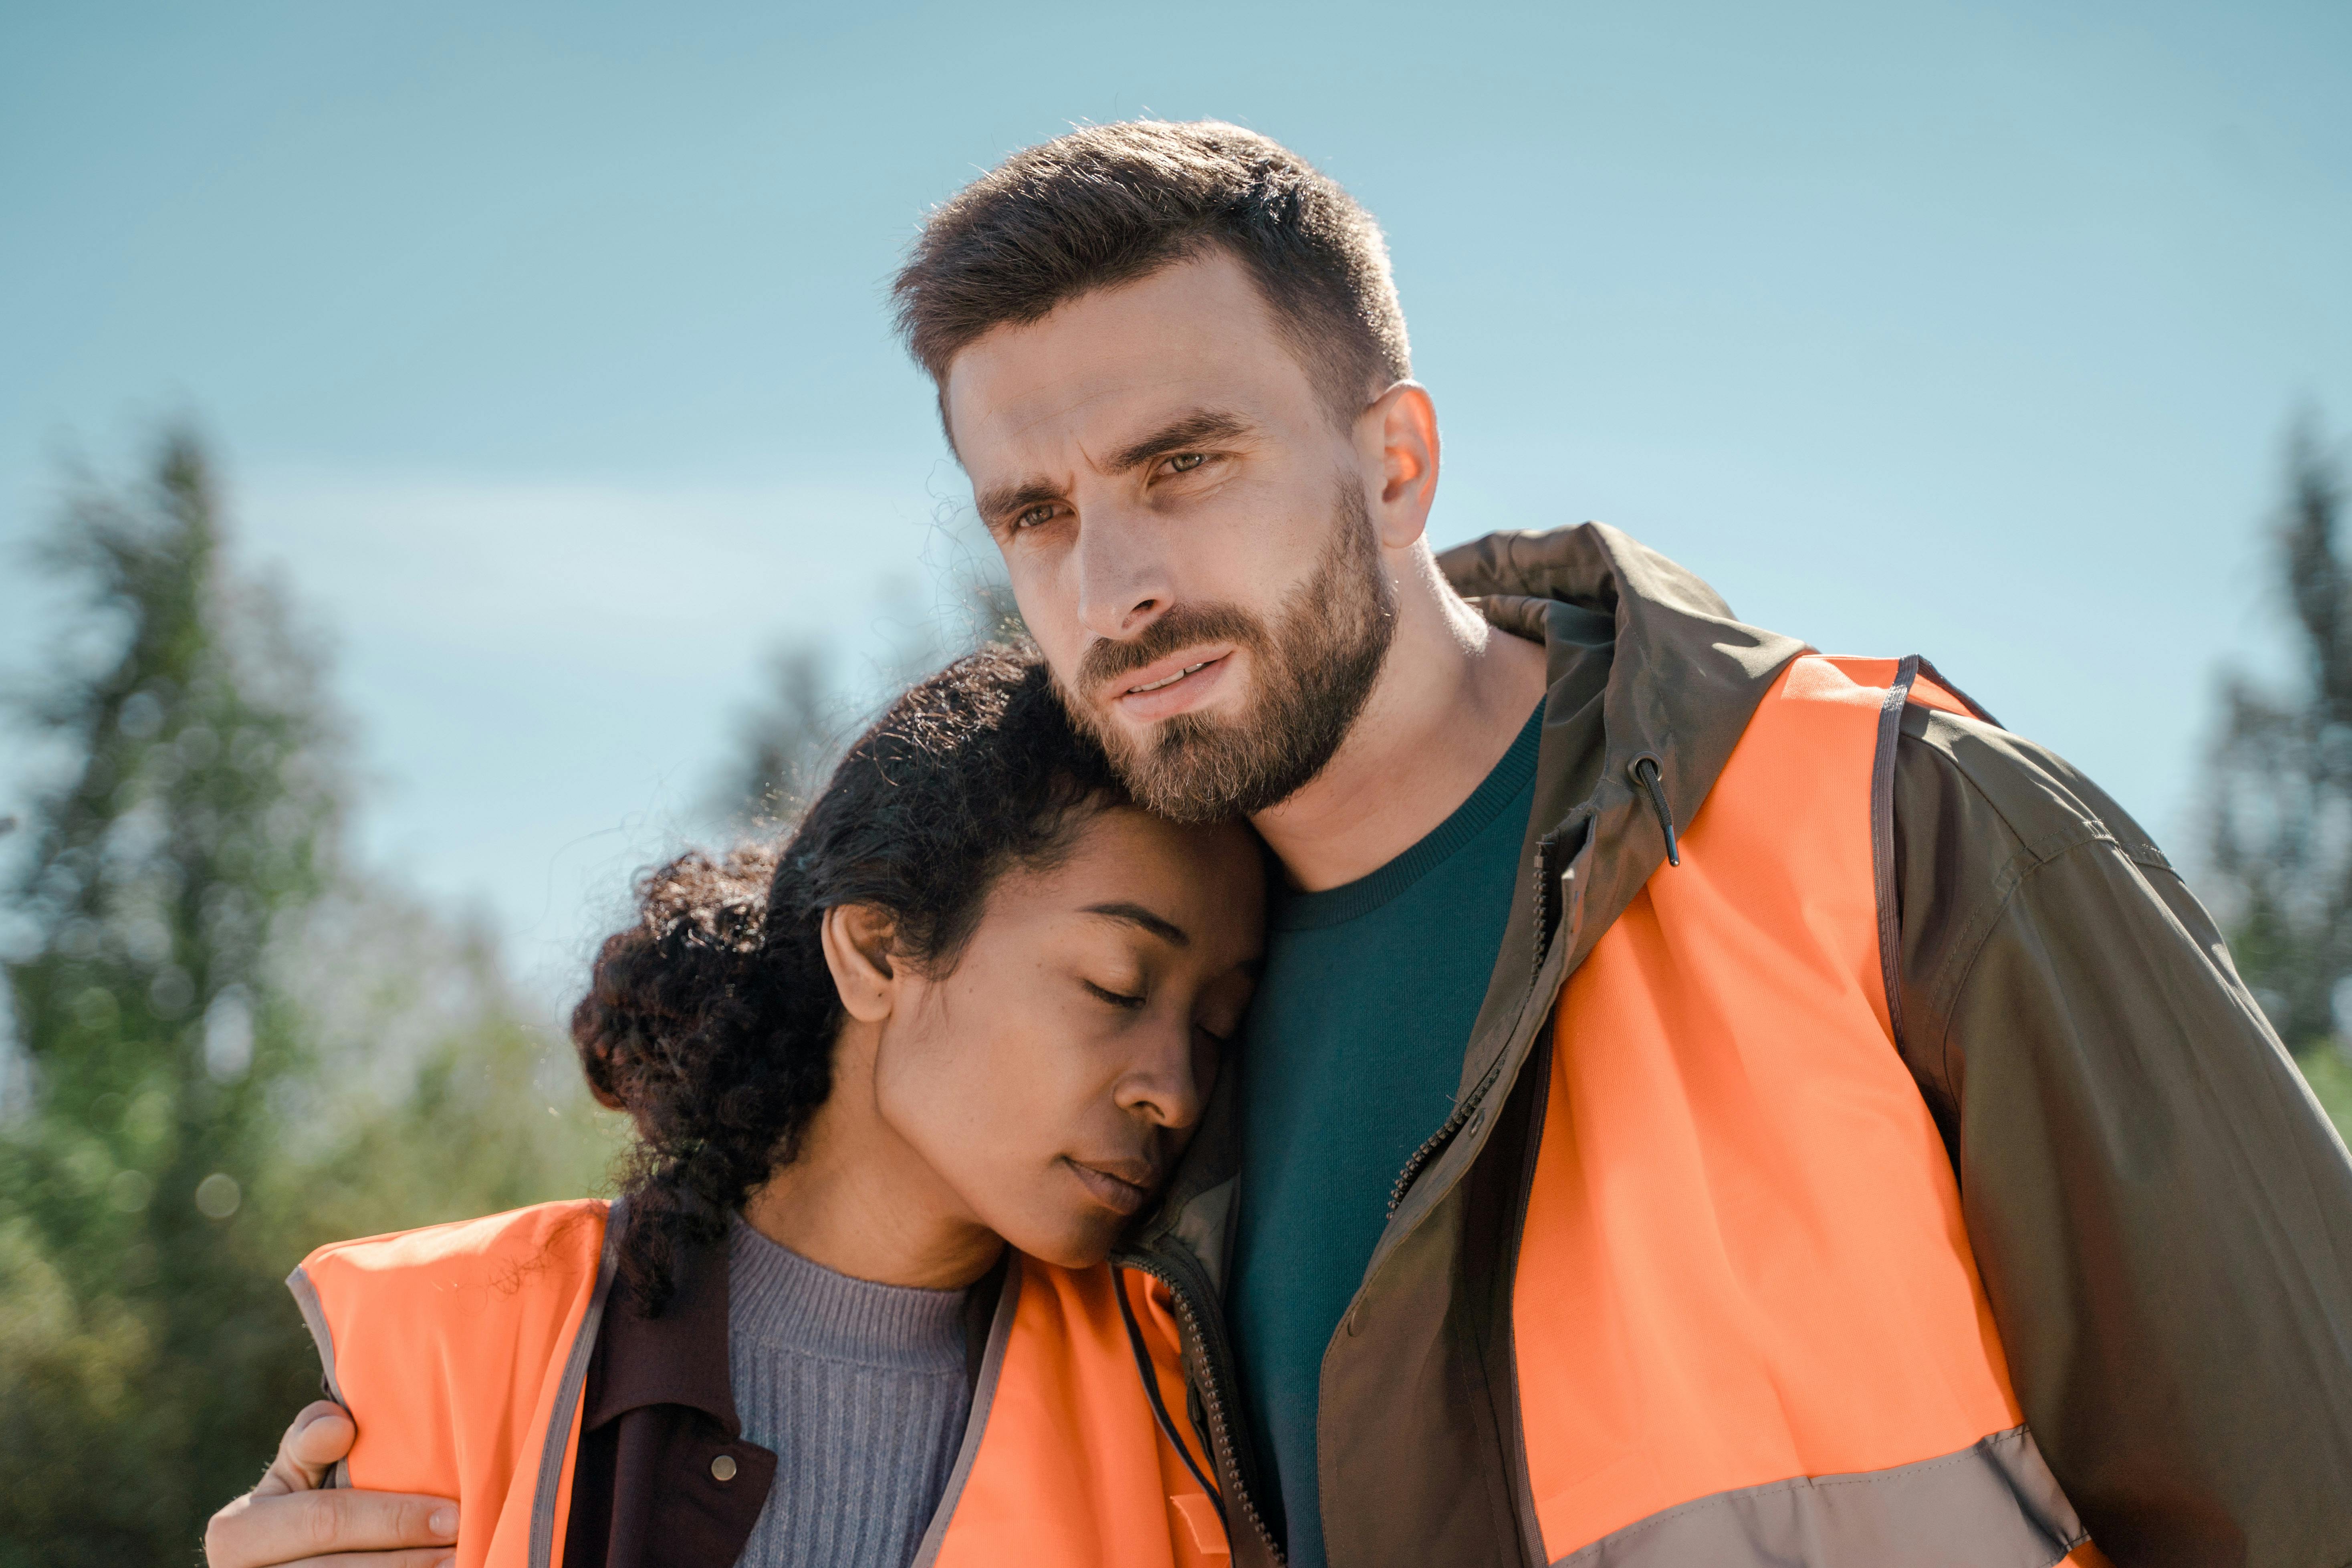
pixel 1135 915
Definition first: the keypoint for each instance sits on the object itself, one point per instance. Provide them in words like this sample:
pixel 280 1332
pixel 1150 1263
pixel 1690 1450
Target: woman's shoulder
pixel 542 1236
pixel 448 1343
pixel 530 1263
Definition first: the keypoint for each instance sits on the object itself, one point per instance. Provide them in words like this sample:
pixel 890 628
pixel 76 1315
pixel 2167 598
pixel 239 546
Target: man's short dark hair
pixel 1111 204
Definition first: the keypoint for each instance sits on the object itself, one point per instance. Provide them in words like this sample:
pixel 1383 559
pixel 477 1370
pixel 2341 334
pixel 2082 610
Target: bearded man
pixel 1706 1101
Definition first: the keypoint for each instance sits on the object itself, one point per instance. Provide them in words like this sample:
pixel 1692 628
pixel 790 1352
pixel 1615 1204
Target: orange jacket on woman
pixel 463 1354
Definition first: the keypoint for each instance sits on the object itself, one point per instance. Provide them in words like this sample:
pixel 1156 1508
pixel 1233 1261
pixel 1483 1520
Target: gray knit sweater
pixel 859 1389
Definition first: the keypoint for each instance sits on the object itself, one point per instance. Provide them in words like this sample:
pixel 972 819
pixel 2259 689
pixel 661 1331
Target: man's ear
pixel 1403 422
pixel 857 950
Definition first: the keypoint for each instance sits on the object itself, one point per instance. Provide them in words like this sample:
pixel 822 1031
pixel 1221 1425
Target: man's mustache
pixel 1181 627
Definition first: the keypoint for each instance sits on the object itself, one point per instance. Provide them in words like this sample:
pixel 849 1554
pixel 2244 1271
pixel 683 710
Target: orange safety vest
pixel 1747 1321
pixel 462 1349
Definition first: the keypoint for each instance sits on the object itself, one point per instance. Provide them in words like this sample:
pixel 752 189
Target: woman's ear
pixel 857 950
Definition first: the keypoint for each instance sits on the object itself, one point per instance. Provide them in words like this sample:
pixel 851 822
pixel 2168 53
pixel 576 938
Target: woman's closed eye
pixel 1116 998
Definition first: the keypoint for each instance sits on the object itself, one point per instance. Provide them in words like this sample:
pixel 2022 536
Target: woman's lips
pixel 1118 1193
pixel 1171 686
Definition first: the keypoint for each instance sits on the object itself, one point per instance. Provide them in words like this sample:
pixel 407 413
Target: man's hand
pixel 288 1521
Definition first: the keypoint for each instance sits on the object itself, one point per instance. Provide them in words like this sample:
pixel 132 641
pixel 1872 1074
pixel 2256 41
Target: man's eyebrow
pixel 1198 428
pixel 1011 501
pixel 1135 915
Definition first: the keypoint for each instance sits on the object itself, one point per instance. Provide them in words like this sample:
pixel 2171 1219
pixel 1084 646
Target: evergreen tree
pixel 232 1048
pixel 201 811
pixel 2281 776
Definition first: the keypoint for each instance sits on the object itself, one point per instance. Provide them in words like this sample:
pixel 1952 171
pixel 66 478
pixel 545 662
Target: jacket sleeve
pixel 2162 1214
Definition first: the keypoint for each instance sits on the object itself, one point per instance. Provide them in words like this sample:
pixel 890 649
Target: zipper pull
pixel 1644 769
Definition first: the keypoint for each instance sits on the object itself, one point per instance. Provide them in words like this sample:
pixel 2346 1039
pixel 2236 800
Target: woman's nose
pixel 1168 1085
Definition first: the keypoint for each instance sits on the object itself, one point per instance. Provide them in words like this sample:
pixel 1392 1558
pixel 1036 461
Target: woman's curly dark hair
pixel 711 1018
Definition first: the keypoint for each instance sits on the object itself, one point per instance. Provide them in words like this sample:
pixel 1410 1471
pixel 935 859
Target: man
pixel 1705 1103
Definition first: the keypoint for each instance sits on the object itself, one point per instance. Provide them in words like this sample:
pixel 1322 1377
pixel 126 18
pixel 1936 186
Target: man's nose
pixel 1123 580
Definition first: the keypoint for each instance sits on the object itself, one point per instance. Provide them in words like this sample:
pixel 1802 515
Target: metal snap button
pixel 722 1469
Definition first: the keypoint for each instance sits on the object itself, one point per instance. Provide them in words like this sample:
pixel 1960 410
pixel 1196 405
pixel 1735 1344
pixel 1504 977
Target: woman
pixel 898 1085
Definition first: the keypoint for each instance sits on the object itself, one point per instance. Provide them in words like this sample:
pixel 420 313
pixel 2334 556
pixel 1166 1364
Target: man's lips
pixel 1170 685
pixel 1169 680
pixel 1122 1187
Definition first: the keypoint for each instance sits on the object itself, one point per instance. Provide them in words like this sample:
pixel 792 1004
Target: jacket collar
pixel 1686 676
pixel 1683 679
pixel 676 1358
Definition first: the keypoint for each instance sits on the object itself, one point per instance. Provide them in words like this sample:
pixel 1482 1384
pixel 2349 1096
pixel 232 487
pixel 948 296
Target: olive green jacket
pixel 2161 1215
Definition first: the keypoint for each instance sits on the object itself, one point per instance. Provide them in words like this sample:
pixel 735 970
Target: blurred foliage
pixel 230 1047
pixel 2281 774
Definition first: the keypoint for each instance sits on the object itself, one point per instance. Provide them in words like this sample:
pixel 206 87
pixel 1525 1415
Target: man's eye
pixel 1185 462
pixel 1040 513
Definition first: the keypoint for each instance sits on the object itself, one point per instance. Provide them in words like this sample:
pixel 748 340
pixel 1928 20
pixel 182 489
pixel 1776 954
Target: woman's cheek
pixel 1208 1060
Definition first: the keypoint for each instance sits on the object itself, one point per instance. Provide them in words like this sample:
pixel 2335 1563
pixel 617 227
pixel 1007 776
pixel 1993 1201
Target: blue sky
pixel 546 345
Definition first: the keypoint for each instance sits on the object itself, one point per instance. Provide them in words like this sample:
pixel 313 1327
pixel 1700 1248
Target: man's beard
pixel 1315 667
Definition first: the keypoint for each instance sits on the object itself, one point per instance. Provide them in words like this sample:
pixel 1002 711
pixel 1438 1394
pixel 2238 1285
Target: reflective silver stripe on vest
pixel 567 1397
pixel 1992 1505
pixel 314 1318
pixel 975 1425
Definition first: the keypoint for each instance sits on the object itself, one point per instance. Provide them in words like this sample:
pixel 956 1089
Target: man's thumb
pixel 321 1434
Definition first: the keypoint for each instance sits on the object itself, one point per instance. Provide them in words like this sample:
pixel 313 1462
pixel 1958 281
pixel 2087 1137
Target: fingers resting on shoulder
pixel 287 1521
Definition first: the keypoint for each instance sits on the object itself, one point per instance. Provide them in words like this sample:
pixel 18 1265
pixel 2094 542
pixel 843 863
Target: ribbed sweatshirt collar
pixel 779 1299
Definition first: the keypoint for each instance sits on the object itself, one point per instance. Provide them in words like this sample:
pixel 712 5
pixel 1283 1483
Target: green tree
pixel 437 1095
pixel 2281 776
pixel 203 809
pixel 232 1048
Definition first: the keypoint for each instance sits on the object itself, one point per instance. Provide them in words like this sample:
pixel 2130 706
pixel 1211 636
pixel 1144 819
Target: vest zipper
pixel 1218 1370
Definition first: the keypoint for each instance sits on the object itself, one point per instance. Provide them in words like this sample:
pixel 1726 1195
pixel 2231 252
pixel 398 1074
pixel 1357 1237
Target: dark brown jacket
pixel 2161 1215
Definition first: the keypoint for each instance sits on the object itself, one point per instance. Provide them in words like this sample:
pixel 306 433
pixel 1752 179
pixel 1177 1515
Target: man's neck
pixel 1450 700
